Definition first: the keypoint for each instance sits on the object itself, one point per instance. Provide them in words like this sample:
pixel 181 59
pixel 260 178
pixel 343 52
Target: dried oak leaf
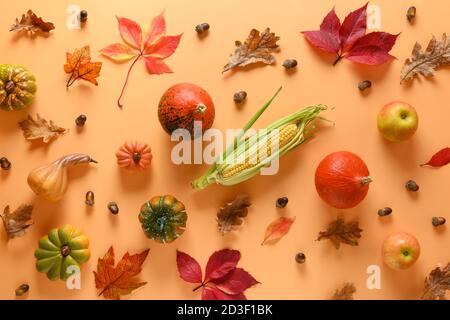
pixel 79 66
pixel 340 232
pixel 344 293
pixel 121 279
pixel 40 129
pixel 32 23
pixel 437 283
pixel 232 213
pixel 257 48
pixel 437 54
pixel 17 222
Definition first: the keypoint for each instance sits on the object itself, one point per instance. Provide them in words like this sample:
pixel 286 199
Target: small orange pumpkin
pixel 134 155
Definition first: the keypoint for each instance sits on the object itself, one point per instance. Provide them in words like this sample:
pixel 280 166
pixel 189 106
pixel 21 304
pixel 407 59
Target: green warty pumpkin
pixel 163 218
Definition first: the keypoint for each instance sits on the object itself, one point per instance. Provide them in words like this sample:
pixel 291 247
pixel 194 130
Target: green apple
pixel 397 121
pixel 400 250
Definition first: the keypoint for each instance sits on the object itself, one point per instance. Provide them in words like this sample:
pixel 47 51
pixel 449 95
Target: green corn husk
pixel 240 147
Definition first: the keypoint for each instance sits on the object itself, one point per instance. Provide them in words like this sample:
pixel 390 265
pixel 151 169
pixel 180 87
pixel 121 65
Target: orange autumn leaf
pixel 120 280
pixel 79 66
pixel 278 229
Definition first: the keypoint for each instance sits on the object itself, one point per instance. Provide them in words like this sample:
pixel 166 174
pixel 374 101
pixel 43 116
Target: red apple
pixel 400 250
pixel 397 121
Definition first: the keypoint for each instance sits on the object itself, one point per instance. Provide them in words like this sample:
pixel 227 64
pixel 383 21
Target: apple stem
pixel 366 180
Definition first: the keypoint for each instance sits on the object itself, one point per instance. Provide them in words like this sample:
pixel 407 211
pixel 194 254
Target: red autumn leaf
pixel 223 280
pixel 153 47
pixel 130 32
pixel 349 39
pixel 236 282
pixel 213 293
pixel 221 263
pixel 190 270
pixel 278 229
pixel 353 27
pixel 441 158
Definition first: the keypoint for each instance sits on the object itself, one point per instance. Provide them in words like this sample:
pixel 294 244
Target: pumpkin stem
pixel 366 180
pixel 201 108
pixel 136 157
pixel 65 250
pixel 10 86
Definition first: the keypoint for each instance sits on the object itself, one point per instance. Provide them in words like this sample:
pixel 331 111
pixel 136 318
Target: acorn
pixel 90 198
pixel 240 96
pixel 282 202
pixel 411 14
pixel 438 221
pixel 365 84
pixel 113 208
pixel 83 16
pixel 300 258
pixel 384 212
pixel 80 120
pixel 412 186
pixel 202 27
pixel 290 63
pixel 5 164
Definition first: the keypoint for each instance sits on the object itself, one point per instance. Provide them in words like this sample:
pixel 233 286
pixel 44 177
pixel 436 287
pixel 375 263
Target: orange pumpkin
pixel 133 155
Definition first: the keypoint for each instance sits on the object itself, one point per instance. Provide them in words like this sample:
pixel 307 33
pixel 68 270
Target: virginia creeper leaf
pixel 155 47
pixel 353 27
pixel 130 32
pixel 236 282
pixel 188 267
pixel 221 263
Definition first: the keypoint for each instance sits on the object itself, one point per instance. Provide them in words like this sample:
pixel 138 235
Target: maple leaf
pixel 79 66
pixel 437 283
pixel 40 129
pixel 344 293
pixel 278 229
pixel 32 24
pixel 17 222
pixel 223 279
pixel 349 39
pixel 258 47
pixel 120 280
pixel 340 232
pixel 232 214
pixel 439 159
pixel 153 46
pixel 437 54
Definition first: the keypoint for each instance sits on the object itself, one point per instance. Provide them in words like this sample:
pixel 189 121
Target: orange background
pixel 200 61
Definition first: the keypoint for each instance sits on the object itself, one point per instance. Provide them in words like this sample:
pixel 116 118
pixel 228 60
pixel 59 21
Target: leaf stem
pixel 203 284
pixel 339 57
pixel 119 101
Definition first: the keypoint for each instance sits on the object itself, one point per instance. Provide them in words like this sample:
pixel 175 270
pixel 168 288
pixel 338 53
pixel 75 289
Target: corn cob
pixel 245 157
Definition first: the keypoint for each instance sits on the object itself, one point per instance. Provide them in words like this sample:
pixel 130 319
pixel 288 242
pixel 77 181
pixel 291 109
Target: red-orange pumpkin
pixel 184 103
pixel 134 155
pixel 342 179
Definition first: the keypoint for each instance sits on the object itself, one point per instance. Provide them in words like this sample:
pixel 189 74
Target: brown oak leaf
pixel 121 279
pixel 40 129
pixel 232 213
pixel 17 222
pixel 340 232
pixel 257 48
pixel 437 54
pixel 437 283
pixel 80 66
pixel 32 23
pixel 344 293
